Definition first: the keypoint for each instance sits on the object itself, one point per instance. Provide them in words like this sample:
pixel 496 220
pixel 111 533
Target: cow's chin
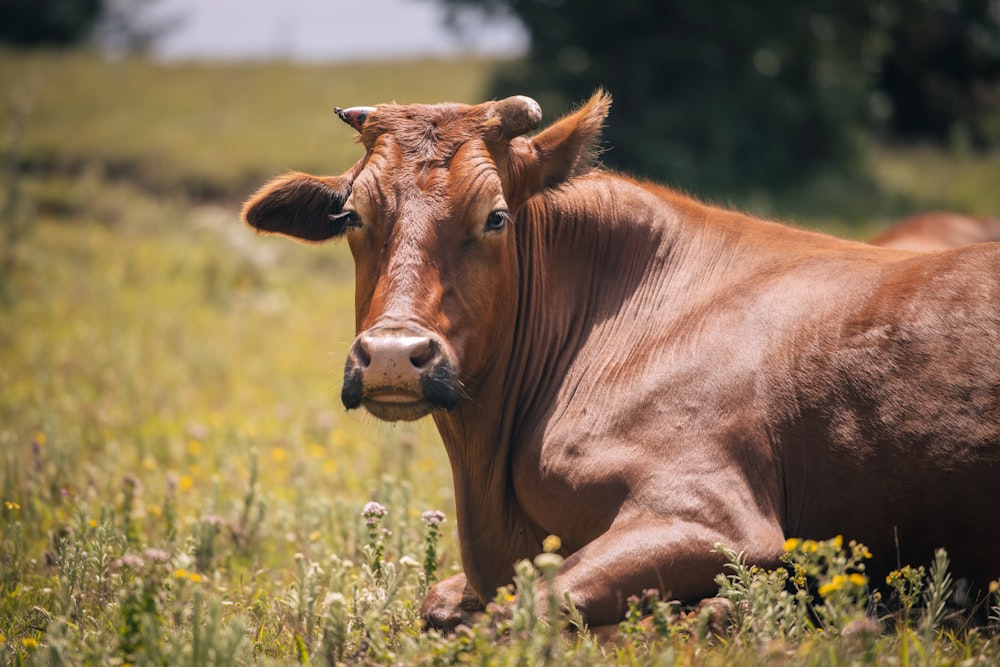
pixel 397 411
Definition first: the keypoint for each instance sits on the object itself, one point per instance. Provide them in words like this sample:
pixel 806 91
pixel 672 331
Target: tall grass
pixel 179 484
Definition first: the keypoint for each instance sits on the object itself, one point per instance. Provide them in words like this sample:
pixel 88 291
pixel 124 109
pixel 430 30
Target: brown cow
pixel 938 230
pixel 643 375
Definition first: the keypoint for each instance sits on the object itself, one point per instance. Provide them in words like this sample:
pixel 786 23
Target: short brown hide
pixel 938 230
pixel 644 375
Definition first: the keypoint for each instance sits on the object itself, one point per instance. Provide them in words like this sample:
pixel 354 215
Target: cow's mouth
pixel 396 406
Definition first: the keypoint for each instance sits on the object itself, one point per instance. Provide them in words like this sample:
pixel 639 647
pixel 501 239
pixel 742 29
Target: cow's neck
pixel 563 289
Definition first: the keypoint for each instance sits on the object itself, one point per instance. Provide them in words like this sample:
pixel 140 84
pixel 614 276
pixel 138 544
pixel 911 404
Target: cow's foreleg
pixel 450 603
pixel 674 557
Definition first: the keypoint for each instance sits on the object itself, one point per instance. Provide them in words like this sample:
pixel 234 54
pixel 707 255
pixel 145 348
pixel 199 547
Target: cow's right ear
pixel 299 205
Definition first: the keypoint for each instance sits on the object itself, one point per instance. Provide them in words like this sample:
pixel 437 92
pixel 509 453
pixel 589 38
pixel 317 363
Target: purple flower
pixel 433 517
pixel 374 510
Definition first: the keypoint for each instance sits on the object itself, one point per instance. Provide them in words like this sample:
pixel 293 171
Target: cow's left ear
pixel 566 148
pixel 299 205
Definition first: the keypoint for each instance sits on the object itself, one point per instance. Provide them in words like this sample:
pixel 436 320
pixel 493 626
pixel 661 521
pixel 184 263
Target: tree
pixel 47 22
pixel 120 26
pixel 726 96
pixel 942 70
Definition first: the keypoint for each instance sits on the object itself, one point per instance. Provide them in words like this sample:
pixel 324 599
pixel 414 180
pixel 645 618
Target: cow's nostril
pixel 364 357
pixel 422 354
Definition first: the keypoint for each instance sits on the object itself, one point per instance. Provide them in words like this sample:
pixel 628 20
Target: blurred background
pixel 169 379
pixel 747 104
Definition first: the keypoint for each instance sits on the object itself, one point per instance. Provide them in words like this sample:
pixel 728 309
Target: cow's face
pixel 430 216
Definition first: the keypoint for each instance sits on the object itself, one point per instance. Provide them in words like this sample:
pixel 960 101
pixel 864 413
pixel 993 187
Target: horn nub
pixel 354 116
pixel 518 114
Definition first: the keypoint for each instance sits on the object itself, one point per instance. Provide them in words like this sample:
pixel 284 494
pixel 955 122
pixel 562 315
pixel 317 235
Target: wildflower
pixel 372 512
pixel 185 482
pixel 433 517
pixel 194 448
pixel 791 544
pixel 995 587
pixel 858 579
pixel 835 585
pixel 548 563
pixel 39 438
pixel 810 546
pixel 551 544
pixel 132 483
pixel 279 454
pixel 92 523
pixel 154 555
pixel 838 542
pixel 11 505
pixel 317 451
pixel 406 561
pixel 29 643
pixel 315 535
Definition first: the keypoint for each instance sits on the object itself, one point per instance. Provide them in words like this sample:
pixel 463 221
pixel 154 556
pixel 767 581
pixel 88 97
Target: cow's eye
pixel 347 219
pixel 496 221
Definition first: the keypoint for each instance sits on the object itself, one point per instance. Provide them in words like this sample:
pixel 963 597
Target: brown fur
pixel 644 375
pixel 939 230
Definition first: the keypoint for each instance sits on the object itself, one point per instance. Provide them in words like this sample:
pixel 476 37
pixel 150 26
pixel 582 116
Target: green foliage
pixel 729 97
pixel 48 22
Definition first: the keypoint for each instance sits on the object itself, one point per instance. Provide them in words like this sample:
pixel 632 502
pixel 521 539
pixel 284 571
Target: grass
pixel 179 484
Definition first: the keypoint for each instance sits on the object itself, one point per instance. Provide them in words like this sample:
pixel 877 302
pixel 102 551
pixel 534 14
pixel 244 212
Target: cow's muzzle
pixel 398 374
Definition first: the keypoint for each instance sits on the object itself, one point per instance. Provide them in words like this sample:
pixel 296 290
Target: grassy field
pixel 179 483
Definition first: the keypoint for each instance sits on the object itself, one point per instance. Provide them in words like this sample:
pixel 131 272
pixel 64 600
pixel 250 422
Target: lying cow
pixel 939 230
pixel 644 375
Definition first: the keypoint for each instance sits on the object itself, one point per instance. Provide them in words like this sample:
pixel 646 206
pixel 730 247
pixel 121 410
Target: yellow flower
pixel 835 585
pixel 11 505
pixel 551 544
pixel 92 523
pixel 995 587
pixel 279 454
pixel 194 576
pixel 29 643
pixel 315 535
pixel 838 542
pixel 40 438
pixel 317 451
pixel 858 579
pixel 185 482
pixel 194 448
pixel 791 544
pixel 810 546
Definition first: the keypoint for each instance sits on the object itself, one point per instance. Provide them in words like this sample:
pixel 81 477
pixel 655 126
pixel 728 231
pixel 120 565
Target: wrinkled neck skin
pixel 570 241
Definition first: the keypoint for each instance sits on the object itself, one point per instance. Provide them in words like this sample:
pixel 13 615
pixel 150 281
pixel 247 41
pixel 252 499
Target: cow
pixel 645 375
pixel 939 230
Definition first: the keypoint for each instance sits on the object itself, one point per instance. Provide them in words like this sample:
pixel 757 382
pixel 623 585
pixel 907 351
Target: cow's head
pixel 430 213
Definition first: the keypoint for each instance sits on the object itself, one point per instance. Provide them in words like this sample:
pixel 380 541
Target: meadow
pixel 179 483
